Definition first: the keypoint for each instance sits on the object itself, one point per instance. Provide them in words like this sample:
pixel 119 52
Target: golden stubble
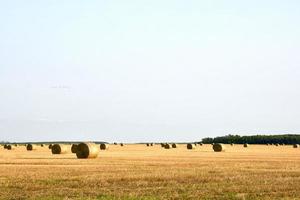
pixel 138 171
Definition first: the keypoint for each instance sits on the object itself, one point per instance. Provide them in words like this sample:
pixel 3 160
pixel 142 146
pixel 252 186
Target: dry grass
pixel 138 172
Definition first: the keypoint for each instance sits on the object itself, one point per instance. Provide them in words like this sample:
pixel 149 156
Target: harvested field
pixel 138 172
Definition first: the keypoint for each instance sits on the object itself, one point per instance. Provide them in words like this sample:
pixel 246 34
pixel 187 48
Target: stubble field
pixel 140 172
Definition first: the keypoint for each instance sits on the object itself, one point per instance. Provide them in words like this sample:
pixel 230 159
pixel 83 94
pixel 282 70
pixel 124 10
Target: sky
pixel 138 71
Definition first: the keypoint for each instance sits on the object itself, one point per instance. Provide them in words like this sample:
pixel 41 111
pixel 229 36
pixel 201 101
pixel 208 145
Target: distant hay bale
pixel 151 144
pixel 87 150
pixel 5 146
pixel 167 146
pixel 50 146
pixel 30 147
pixel 277 144
pixel 296 145
pixel 162 145
pixel 217 147
pixel 115 143
pixel 148 145
pixel 174 145
pixel 104 146
pixel 190 146
pixel 200 143
pixel 60 149
pixel 42 145
pixel 121 144
pixel 74 148
pixel 246 145
pixel 232 144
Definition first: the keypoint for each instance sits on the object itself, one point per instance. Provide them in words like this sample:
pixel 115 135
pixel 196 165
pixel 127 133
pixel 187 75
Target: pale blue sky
pixel 148 70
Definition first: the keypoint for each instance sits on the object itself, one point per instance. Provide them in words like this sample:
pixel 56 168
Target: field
pixel 140 172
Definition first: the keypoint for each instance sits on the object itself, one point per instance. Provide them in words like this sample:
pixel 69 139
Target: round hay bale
pixel 217 147
pixel 50 146
pixel 276 144
pixel 121 144
pixel 42 145
pixel 148 145
pixel 115 143
pixel 190 146
pixel 60 149
pixel 296 145
pixel 168 146
pixel 151 144
pixel 162 145
pixel 174 145
pixel 232 144
pixel 246 145
pixel 87 150
pixel 5 146
pixel 74 148
pixel 104 146
pixel 30 147
pixel 200 143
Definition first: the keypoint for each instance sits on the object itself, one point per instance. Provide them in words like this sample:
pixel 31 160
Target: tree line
pixel 254 139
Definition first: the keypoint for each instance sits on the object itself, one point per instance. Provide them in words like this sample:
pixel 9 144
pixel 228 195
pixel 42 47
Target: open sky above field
pixel 148 70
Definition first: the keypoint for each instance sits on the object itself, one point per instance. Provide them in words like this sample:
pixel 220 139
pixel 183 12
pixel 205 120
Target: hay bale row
pixel 169 146
pixel 82 150
pixel 9 147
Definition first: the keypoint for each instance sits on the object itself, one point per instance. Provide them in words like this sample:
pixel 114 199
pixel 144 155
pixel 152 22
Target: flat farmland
pixel 140 172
